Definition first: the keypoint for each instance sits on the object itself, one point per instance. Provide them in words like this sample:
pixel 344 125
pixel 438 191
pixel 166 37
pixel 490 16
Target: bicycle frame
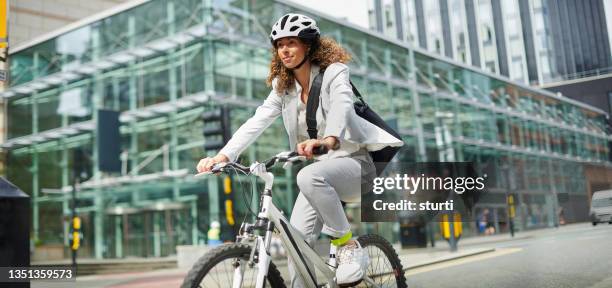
pixel 269 218
pixel 297 248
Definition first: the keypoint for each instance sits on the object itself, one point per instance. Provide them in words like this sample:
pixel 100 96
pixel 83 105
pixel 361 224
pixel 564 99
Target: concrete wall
pixel 29 19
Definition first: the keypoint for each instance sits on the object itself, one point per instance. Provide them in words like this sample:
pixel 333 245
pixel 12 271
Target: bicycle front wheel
pixel 218 269
pixel 385 267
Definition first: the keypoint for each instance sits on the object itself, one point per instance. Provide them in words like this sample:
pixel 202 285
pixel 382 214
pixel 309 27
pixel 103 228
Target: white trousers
pixel 323 185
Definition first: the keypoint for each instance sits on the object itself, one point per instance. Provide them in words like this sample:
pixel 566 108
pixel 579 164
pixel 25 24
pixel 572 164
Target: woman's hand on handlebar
pixel 206 164
pixel 312 147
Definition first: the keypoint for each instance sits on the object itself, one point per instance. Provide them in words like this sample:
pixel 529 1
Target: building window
pixel 490 66
pixel 388 17
pixel 438 46
pixel 410 37
pixel 488 35
pixel 461 40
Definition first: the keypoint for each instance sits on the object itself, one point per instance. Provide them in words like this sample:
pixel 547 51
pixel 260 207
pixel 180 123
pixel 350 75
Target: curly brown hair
pixel 328 52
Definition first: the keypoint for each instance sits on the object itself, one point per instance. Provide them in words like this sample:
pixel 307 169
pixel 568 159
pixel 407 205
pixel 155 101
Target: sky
pixel 355 11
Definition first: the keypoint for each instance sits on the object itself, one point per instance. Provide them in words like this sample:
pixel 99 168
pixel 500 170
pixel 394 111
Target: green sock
pixel 342 240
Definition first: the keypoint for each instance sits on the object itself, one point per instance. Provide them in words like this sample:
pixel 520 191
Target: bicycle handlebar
pixel 281 157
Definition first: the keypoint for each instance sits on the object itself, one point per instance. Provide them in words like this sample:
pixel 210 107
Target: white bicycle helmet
pixel 295 25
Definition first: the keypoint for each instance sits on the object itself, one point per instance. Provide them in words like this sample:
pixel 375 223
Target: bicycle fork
pixel 264 255
pixel 262 245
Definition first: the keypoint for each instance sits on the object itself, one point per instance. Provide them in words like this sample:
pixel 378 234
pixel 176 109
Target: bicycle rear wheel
pixel 385 267
pixel 216 269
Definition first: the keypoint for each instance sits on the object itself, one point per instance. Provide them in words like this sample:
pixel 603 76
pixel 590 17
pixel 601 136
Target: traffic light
pixel 217 131
pixel 229 206
pixel 75 233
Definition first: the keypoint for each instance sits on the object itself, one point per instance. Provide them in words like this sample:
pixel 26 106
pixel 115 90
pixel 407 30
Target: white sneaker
pixel 352 264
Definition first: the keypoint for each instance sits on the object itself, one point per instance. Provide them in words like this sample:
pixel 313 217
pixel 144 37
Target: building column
pixel 99 214
pixel 554 199
pixel 416 104
pixel 156 235
pixel 118 237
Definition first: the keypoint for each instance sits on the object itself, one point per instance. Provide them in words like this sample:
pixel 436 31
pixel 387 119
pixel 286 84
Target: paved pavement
pixel 486 258
pixel 411 258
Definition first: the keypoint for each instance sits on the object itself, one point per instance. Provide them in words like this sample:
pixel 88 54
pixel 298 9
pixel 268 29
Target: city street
pixel 577 255
pixel 134 135
pixel 574 256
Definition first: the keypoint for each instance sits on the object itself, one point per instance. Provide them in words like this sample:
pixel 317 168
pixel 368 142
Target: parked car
pixel 601 207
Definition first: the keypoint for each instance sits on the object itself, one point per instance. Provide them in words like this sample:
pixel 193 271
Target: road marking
pixel 464 260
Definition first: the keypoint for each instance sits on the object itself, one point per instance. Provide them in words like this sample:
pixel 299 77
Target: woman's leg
pixel 304 219
pixel 322 186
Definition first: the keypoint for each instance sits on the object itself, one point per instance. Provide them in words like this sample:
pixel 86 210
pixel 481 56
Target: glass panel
pixel 116 95
pixel 114 33
pixel 49 61
pixel 151 22
pixel 19 117
pixel 22 63
pixel 18 170
pixel 193 72
pixel 379 96
pixel 49 116
pixel 152 140
pixel 153 83
pixel 76 46
pixel 76 102
pixel 51 229
pixel 402 102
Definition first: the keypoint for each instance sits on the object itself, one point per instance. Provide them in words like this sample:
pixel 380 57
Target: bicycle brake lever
pixel 202 174
pixel 298 159
pixel 217 168
pixel 292 160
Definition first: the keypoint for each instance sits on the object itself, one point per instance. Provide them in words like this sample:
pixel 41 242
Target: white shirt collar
pixel 314 70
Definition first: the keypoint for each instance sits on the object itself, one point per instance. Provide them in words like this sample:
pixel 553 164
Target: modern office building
pixel 161 64
pixel 28 19
pixel 594 90
pixel 529 41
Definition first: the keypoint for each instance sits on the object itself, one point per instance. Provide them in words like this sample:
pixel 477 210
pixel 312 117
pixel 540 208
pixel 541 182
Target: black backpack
pixel 381 157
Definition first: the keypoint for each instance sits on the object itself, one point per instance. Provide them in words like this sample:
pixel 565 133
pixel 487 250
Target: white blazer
pixel 335 108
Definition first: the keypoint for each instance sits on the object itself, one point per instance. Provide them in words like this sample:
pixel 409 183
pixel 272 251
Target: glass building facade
pixel 161 64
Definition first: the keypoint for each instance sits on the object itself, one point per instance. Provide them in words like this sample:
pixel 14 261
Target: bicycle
pixel 227 265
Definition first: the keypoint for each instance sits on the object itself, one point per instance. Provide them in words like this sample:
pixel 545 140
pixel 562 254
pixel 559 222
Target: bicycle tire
pixel 370 241
pixel 216 256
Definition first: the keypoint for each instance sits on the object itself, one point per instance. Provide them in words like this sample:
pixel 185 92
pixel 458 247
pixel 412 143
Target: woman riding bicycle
pixel 298 55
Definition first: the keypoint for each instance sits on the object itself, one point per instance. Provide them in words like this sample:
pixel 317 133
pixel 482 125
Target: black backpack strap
pixel 312 105
pixel 357 93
